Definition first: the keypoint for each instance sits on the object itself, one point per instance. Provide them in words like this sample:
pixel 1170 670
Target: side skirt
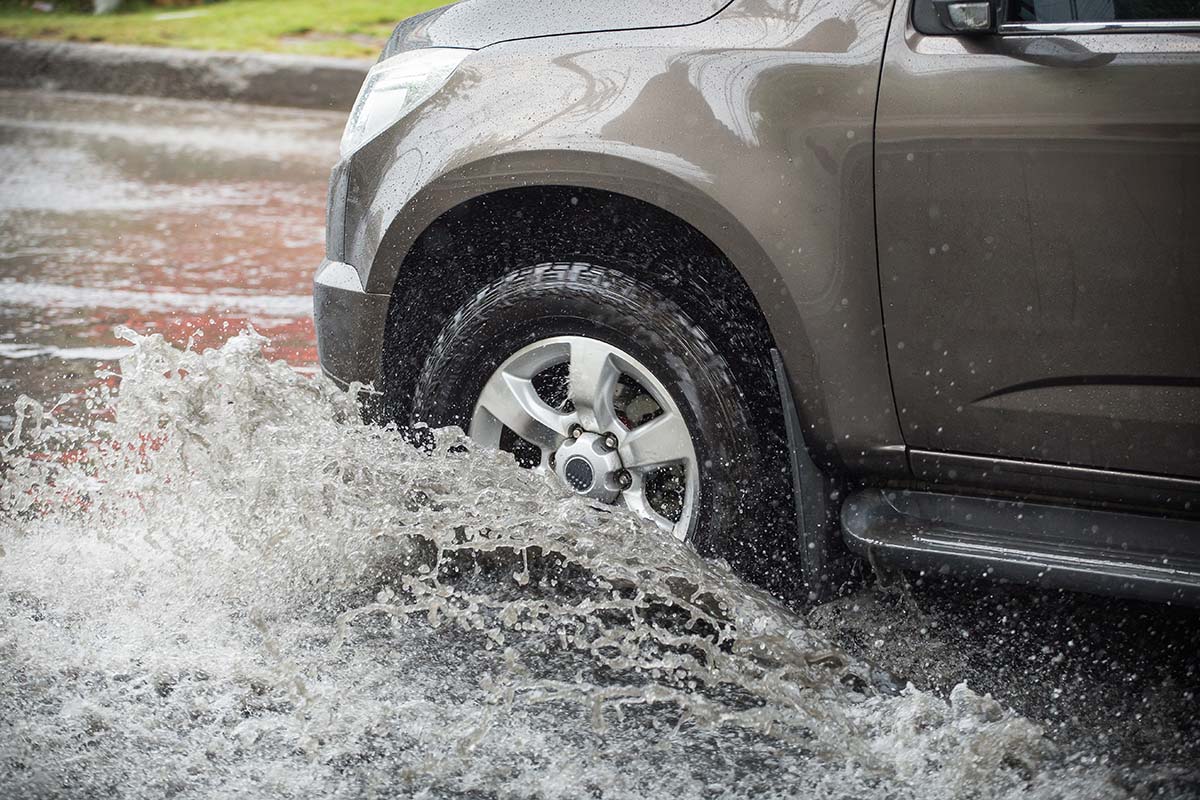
pixel 1102 552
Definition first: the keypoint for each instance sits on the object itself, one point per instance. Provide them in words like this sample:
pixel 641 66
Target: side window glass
pixel 1102 10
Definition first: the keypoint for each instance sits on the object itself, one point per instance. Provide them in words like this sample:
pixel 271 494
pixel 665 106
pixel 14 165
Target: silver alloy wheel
pixel 576 441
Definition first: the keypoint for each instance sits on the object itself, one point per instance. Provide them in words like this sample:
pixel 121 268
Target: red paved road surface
pixel 169 217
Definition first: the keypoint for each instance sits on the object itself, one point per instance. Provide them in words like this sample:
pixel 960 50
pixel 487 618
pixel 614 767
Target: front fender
pixel 754 130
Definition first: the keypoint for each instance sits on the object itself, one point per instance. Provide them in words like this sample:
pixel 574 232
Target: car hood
pixel 479 23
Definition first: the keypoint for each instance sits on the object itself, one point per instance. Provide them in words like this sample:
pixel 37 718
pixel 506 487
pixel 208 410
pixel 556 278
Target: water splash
pixel 230 586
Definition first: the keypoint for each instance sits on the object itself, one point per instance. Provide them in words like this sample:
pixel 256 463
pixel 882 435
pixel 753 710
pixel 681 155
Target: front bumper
pixel 350 324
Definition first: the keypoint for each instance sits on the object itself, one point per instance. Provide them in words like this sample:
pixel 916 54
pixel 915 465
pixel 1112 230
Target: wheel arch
pixel 432 252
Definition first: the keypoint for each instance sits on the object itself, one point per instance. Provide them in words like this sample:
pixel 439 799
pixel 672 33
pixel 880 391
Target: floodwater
pixel 216 582
pixel 169 217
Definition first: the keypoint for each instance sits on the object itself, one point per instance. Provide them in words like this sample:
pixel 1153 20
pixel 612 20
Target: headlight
pixel 394 87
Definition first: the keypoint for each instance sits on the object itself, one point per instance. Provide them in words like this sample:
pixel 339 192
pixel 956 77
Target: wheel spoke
pixel 663 440
pixel 513 401
pixel 592 382
pixel 635 500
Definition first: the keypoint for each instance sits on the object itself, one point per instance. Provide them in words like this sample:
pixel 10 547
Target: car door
pixel 1038 222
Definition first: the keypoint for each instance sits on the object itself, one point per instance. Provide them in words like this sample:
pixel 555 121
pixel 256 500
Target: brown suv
pixel 796 279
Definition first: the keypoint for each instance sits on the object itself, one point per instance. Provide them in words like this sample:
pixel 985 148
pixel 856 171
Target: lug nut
pixel 624 479
pixel 609 441
pixel 576 431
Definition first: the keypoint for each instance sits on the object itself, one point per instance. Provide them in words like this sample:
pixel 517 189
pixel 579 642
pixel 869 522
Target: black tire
pixel 559 299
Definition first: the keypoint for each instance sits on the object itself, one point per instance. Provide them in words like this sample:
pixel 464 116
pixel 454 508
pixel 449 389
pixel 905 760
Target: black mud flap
pixel 826 565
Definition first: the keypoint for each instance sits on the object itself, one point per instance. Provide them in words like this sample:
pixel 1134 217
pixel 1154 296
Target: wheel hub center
pixel 579 474
pixel 589 468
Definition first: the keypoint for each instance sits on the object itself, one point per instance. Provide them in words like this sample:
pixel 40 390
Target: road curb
pixel 263 78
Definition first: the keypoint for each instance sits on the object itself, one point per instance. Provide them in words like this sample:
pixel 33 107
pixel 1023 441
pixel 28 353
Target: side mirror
pixel 967 16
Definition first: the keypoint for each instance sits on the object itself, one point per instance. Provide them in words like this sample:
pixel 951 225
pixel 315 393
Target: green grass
pixel 312 27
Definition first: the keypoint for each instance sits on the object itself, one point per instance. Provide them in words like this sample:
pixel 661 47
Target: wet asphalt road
pixel 170 217
pixel 195 220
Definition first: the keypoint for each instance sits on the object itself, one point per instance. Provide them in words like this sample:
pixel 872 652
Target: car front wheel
pixel 590 373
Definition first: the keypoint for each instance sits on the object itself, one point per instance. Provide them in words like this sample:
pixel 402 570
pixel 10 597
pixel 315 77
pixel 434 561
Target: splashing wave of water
pixel 239 589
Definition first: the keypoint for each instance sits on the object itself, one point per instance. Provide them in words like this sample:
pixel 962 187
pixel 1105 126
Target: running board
pixel 1102 552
